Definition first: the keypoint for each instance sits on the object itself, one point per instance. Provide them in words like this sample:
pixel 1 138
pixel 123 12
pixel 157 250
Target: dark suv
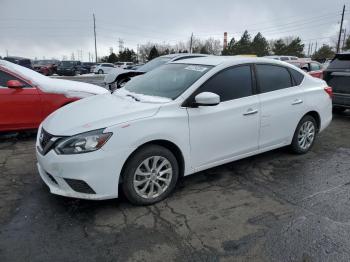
pixel 337 76
pixel 70 68
pixel 20 61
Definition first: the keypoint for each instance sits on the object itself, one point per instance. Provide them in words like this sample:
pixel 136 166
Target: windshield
pixel 167 81
pixel 67 63
pixel 154 64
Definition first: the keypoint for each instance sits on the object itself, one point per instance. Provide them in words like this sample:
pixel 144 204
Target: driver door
pixel 20 108
pixel 230 129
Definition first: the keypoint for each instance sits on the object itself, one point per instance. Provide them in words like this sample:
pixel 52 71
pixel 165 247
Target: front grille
pixel 79 186
pixel 45 138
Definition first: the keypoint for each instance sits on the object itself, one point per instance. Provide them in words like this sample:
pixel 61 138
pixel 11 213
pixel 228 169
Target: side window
pixel 273 78
pixel 314 67
pixel 230 83
pixel 297 76
pixel 4 77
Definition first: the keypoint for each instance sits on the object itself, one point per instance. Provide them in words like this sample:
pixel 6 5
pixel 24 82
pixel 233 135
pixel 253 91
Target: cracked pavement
pixel 271 207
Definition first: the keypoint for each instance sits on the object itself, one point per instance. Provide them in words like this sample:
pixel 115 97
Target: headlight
pixel 82 143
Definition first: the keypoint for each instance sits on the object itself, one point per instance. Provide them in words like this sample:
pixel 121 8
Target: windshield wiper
pixel 134 97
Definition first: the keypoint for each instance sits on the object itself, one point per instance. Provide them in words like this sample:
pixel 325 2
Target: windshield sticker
pixel 196 68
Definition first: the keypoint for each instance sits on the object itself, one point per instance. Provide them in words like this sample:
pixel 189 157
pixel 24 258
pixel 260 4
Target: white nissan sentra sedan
pixel 178 119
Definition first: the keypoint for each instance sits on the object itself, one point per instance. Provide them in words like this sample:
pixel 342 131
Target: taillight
pixel 329 91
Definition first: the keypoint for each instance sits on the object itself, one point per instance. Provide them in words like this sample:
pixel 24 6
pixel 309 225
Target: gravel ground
pixel 272 207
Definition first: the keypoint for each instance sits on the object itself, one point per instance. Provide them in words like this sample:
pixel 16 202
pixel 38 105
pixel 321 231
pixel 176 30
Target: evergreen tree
pixel 324 53
pixel 112 58
pixel 260 46
pixel 295 48
pixel 153 53
pixel 279 47
pixel 243 46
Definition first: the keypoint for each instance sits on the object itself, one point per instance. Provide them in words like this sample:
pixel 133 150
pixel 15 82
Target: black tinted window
pixel 297 76
pixel 230 84
pixel 273 78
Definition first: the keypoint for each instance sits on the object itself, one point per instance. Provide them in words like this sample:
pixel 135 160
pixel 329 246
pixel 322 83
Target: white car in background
pixel 123 65
pixel 181 118
pixel 285 58
pixel 103 68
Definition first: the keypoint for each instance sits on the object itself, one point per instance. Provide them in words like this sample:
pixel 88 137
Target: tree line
pixel 246 45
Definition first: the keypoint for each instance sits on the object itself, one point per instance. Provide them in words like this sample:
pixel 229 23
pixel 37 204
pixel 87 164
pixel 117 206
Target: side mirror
pixel 207 99
pixel 14 84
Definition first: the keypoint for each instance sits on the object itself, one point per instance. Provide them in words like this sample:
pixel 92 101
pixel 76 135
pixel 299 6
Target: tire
pixel 338 110
pixel 100 72
pixel 136 171
pixel 305 131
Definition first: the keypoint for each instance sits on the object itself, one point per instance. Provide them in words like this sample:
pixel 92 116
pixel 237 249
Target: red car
pixel 312 67
pixel 27 97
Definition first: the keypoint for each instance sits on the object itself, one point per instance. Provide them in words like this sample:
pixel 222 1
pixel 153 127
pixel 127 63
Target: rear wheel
pixel 150 175
pixel 100 71
pixel 304 136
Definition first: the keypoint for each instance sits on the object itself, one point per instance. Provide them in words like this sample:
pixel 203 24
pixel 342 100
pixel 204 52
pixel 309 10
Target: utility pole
pixel 308 51
pixel 312 45
pixel 7 52
pixel 93 15
pixel 191 43
pixel 344 39
pixel 341 29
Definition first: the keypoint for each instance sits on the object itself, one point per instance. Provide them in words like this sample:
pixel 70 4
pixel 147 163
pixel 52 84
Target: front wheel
pixel 150 175
pixel 304 136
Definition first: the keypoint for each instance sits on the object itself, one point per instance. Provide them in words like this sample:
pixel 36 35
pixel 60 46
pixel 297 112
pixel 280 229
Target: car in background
pixel 326 63
pixel 314 68
pixel 28 97
pixel 118 77
pixel 337 76
pixel 285 58
pixel 22 61
pixel 70 68
pixel 103 68
pixel 46 67
pixel 176 120
pixel 88 66
pixel 124 65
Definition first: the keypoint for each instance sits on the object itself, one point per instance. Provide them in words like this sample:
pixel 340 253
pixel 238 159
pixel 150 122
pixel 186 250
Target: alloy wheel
pixel 306 135
pixel 152 177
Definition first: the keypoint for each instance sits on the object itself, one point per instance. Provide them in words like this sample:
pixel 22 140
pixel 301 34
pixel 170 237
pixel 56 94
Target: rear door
pixel 20 108
pixel 282 104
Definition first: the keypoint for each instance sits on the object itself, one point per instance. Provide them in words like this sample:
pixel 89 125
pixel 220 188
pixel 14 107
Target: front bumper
pixel 100 170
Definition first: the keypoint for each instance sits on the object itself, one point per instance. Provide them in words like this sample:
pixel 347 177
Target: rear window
pixel 340 62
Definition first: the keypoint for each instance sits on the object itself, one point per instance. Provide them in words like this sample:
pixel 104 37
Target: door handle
pixel 250 111
pixel 297 102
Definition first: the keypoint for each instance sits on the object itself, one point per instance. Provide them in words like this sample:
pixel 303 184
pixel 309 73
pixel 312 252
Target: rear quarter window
pixel 297 76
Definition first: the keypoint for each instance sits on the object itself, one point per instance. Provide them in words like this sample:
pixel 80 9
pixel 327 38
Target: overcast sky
pixel 44 28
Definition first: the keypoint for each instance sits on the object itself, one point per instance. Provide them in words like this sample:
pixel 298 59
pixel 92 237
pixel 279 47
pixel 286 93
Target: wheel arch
pixel 316 116
pixel 164 143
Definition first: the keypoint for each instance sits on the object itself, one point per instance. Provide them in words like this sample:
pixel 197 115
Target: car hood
pixel 70 88
pixel 52 85
pixel 97 112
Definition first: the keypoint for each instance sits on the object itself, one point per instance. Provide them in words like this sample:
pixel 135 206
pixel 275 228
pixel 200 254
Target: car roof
pixel 217 60
pixel 178 55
